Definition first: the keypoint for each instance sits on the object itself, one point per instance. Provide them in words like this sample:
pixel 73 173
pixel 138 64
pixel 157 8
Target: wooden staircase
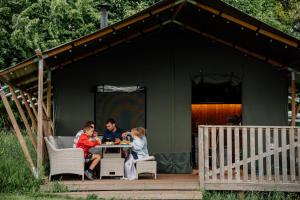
pixel 167 186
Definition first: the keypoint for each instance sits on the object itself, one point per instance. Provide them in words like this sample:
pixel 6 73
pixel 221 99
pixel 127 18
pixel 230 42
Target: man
pixel 112 132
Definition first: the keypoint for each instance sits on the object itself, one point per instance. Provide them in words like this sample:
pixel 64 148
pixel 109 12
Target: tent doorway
pixel 216 100
pixel 127 105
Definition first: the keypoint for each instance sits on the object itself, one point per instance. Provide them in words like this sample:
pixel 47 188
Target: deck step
pixel 136 194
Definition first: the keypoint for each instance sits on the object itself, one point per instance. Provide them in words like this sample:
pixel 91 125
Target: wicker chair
pixel 64 161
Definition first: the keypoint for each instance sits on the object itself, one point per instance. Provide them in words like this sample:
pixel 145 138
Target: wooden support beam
pixel 49 102
pixel 32 105
pixel 177 11
pixel 293 91
pixel 32 117
pixel 40 146
pixel 23 117
pixel 18 133
pixel 47 117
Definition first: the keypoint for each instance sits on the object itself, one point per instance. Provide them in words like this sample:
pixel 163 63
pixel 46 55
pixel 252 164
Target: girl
pixel 139 143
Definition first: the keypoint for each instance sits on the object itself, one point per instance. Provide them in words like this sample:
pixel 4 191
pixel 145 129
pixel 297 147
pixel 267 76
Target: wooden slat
pixel 221 152
pixel 206 154
pixel 245 155
pixel 260 154
pixel 293 100
pixel 237 152
pixel 48 118
pixel 292 154
pixel 23 117
pixel 32 104
pixel 268 149
pixel 298 148
pixel 229 153
pixel 214 153
pixel 276 155
pixel 32 117
pixel 252 151
pixel 201 156
pixel 284 158
pixel 278 38
pixel 238 21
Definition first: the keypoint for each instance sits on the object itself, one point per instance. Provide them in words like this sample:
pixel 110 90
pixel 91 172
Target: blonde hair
pixel 139 131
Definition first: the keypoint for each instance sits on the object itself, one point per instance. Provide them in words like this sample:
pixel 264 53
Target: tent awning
pixel 213 20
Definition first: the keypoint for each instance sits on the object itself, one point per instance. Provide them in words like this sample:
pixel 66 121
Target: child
pixel 85 143
pixel 139 143
pixel 139 150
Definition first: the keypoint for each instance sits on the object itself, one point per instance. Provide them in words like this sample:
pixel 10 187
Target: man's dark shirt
pixel 111 136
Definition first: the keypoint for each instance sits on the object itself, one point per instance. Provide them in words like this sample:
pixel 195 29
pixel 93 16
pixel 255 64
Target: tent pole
pixel 23 117
pixel 32 118
pixel 293 91
pixel 18 132
pixel 49 102
pixel 40 155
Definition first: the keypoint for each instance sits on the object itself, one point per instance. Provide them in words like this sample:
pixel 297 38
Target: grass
pixel 17 183
pixel 15 174
pixel 217 195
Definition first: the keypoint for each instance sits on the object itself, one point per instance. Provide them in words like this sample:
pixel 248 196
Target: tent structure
pixel 163 48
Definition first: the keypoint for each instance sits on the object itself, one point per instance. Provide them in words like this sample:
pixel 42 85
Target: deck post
pixel 293 91
pixel 18 132
pixel 23 117
pixel 40 155
pixel 49 86
pixel 201 157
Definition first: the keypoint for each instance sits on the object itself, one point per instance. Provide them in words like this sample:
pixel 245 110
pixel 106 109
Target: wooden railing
pixel 257 158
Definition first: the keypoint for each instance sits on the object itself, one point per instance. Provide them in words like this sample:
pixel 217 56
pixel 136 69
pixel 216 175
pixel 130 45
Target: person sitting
pixel 139 151
pixel 78 134
pixel 139 143
pixel 112 132
pixel 85 143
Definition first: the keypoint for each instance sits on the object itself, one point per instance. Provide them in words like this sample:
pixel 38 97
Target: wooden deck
pixel 166 186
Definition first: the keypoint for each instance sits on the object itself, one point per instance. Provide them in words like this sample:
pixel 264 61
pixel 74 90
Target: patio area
pixel 166 186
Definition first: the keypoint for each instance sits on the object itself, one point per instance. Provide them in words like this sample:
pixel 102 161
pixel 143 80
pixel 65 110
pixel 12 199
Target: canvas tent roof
pixel 214 20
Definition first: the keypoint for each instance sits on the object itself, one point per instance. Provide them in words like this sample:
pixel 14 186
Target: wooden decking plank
pixel 138 194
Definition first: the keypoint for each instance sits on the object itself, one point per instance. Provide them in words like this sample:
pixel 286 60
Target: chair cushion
pixel 146 158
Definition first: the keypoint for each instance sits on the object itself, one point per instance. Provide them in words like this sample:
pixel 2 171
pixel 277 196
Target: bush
pixel 15 174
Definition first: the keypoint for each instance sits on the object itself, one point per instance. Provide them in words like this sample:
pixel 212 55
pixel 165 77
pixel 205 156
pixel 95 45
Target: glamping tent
pixel 171 67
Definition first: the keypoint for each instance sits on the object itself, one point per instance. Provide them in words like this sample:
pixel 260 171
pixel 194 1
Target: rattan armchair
pixel 64 161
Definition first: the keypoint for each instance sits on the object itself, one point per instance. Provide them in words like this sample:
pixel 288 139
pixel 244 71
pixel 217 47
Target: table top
pixel 114 146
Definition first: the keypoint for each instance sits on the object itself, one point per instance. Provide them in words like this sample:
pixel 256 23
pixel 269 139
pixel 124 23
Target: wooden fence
pixel 249 158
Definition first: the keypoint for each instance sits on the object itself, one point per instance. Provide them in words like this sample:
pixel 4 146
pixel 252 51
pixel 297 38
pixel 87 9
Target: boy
pixel 85 143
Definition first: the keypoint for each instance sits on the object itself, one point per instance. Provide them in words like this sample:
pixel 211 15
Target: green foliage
pixel 281 14
pixel 15 174
pixel 217 195
pixel 59 187
pixel 26 25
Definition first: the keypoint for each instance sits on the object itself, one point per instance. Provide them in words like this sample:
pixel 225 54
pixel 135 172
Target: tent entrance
pixel 216 100
pixel 127 105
